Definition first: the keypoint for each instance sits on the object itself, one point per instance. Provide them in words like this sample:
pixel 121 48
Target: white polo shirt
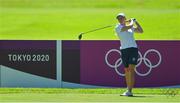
pixel 126 37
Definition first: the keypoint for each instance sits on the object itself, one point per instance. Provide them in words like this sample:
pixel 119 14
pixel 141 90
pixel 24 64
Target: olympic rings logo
pixel 141 59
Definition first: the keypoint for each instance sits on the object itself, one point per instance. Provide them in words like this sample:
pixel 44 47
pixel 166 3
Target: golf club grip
pixel 97 29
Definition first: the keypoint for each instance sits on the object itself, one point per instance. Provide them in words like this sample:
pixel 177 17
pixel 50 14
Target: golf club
pixel 80 35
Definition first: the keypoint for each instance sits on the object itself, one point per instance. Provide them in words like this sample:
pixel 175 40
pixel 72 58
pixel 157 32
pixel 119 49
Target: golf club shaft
pixel 100 28
pixel 80 36
pixel 97 29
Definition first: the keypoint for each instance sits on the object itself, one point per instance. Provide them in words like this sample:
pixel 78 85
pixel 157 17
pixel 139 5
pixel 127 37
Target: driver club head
pixel 80 36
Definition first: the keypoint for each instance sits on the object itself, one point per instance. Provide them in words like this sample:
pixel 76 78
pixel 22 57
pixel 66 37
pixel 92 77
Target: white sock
pixel 129 90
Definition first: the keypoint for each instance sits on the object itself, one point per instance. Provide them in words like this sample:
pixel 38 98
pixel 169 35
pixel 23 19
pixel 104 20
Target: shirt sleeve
pixel 118 28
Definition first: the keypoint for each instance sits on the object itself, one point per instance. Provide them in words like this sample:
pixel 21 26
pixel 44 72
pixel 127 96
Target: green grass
pixel 85 95
pixel 90 3
pixel 65 19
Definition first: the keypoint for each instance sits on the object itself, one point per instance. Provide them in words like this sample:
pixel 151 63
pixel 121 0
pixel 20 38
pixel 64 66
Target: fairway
pixel 65 19
pixel 86 95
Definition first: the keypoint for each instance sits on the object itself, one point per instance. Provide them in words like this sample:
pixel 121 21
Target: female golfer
pixel 129 49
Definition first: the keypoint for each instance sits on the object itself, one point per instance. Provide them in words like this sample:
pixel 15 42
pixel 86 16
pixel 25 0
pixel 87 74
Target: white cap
pixel 121 14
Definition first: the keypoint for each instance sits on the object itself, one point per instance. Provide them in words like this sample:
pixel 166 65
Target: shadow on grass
pixel 138 96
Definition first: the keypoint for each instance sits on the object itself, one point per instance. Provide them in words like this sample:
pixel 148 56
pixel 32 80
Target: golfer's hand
pixel 133 19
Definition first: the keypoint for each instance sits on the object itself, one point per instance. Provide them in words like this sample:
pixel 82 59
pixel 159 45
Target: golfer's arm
pixel 127 26
pixel 139 28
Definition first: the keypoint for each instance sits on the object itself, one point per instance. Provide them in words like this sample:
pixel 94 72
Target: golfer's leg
pixel 132 64
pixel 132 76
pixel 127 76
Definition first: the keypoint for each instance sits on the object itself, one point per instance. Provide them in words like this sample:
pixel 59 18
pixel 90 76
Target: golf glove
pixel 133 19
